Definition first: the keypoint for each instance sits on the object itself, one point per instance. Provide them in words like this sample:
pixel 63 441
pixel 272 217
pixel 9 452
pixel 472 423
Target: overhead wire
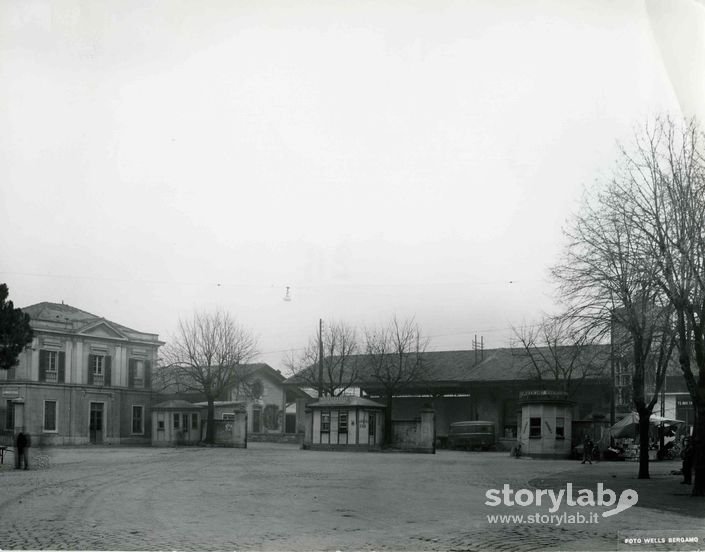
pixel 271 285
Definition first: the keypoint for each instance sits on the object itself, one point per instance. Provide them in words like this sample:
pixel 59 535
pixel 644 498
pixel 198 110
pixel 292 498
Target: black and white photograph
pixel 376 275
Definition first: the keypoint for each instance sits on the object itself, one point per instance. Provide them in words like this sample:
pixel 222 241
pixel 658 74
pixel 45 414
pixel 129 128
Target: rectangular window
pixel 325 422
pixel 560 427
pixel 160 424
pixel 52 366
pixel 343 422
pixel 52 361
pixel 184 421
pixel 177 417
pixel 137 419
pixel 534 428
pixel 98 361
pixel 194 421
pixel 49 415
pixel 97 368
pixel 10 415
pixel 139 373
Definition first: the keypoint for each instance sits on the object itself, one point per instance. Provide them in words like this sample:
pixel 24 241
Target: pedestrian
pixel 587 449
pixel 687 455
pixel 24 441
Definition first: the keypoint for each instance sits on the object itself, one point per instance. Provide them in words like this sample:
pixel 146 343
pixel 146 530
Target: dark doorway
pixel 95 428
pixel 290 423
pixel 256 420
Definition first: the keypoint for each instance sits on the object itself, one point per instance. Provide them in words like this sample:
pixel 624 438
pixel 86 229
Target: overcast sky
pixel 377 157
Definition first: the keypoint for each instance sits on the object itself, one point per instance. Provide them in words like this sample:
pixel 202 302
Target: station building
pixel 84 379
pixel 466 386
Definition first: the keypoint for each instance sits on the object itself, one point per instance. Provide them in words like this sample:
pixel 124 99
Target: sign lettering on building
pixel 684 402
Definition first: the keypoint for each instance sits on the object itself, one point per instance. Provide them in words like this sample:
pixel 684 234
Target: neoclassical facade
pixel 84 379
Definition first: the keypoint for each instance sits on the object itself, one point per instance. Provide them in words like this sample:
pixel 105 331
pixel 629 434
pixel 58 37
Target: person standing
pixel 687 456
pixel 587 449
pixel 24 441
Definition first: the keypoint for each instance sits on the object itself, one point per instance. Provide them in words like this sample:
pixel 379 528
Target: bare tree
pixel 337 370
pixel 208 355
pixel 395 359
pixel 665 185
pixel 614 283
pixel 560 353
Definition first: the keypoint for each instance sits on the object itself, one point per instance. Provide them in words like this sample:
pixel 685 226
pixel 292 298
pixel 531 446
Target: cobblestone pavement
pixel 277 497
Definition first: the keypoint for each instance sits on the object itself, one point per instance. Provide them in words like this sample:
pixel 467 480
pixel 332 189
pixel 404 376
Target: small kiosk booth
pixel 545 424
pixel 176 423
pixel 344 423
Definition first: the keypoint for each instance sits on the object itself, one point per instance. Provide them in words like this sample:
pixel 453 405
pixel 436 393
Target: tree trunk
pixel 699 445
pixel 388 421
pixel 210 422
pixel 644 415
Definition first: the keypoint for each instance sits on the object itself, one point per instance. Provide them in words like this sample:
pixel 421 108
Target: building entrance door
pixel 95 428
pixel 256 420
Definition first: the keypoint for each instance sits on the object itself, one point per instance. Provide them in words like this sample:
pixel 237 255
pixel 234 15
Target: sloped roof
pixel 265 369
pixel 494 365
pixel 176 404
pixel 221 403
pixel 332 402
pixel 255 369
pixel 65 318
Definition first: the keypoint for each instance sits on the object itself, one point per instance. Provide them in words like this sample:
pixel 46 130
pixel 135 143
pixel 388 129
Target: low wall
pixel 231 433
pixel 346 448
pixel 295 438
pixel 416 435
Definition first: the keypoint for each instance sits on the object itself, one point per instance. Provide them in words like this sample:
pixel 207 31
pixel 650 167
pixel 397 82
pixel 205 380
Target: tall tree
pixel 614 275
pixel 208 355
pixel 15 331
pixel 665 186
pixel 394 361
pixel 337 371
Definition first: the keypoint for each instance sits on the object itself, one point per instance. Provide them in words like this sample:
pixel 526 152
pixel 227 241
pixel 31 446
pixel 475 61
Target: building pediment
pixel 102 329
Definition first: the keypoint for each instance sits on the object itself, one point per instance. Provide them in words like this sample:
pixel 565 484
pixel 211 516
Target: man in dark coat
pixel 687 455
pixel 24 441
pixel 587 449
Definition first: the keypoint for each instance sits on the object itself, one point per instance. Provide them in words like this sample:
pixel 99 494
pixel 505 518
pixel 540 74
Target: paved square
pixel 278 497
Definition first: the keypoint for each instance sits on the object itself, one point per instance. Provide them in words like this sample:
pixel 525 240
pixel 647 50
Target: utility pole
pixel 320 357
pixel 479 346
